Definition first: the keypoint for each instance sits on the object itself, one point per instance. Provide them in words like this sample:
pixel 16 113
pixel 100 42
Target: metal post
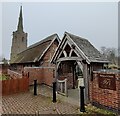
pixel 82 105
pixel 54 91
pixel 35 87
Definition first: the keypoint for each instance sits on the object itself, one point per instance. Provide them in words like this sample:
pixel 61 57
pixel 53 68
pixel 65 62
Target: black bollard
pixel 82 105
pixel 35 87
pixel 54 92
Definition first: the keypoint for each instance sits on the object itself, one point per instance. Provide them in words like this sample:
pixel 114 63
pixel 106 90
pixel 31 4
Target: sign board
pixel 107 81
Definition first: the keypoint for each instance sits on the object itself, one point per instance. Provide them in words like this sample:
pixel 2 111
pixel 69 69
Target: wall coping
pixel 108 71
pixel 14 72
pixel 37 67
pixel 116 73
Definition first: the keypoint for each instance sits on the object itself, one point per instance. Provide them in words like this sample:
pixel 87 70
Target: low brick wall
pixel 14 74
pixel 42 74
pixel 105 96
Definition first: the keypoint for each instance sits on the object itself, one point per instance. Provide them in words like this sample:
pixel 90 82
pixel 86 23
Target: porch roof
pixel 85 48
pixel 88 49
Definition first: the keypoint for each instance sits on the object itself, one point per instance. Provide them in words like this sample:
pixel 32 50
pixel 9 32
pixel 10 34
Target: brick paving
pixel 27 103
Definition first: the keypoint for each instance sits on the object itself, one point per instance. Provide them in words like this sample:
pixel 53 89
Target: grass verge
pixel 92 110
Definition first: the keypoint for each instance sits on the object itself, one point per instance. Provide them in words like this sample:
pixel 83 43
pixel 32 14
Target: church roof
pixel 34 52
pixel 88 49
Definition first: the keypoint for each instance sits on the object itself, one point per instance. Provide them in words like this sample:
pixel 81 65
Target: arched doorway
pixel 72 71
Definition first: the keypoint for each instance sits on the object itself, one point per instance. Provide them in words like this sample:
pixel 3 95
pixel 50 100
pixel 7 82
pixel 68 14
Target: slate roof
pixel 88 49
pixel 34 52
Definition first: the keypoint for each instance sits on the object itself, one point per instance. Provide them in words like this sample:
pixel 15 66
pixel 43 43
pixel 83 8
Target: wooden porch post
pixel 86 83
pixel 55 72
pixel 73 67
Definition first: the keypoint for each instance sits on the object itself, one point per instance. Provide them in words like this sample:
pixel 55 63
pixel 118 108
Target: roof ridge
pixel 87 47
pixel 40 42
pixel 75 35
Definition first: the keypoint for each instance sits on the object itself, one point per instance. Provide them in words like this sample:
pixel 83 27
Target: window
pixel 22 39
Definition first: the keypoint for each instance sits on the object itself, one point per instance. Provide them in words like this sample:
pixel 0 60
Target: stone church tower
pixel 19 40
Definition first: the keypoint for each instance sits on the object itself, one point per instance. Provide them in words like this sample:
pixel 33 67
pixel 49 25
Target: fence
pixel 17 85
pixel 62 87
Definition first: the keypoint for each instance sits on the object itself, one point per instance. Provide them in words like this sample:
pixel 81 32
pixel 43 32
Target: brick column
pixel 119 93
pixel 106 98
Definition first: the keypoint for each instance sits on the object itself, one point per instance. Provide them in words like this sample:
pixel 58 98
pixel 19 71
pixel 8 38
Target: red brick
pixel 106 97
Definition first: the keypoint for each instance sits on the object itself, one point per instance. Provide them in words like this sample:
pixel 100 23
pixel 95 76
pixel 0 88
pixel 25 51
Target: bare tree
pixel 110 53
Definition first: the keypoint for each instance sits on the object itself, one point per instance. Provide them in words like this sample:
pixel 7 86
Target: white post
pixel 66 93
pixel 62 87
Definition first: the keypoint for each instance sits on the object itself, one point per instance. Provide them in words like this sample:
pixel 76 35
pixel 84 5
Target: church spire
pixel 20 22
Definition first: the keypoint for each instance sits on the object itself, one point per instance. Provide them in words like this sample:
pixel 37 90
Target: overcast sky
pixel 95 21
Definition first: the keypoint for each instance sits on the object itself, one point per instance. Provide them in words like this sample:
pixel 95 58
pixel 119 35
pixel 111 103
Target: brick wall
pixel 14 74
pixel 48 55
pixel 42 74
pixel 105 98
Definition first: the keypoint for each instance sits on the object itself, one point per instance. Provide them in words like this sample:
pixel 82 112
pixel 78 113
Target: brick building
pixel 36 57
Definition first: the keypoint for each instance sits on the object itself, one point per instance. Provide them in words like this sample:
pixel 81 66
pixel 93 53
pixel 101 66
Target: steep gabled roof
pixel 34 52
pixel 85 48
pixel 88 49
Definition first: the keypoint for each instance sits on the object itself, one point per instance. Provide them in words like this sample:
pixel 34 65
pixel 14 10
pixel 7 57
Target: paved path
pixel 73 94
pixel 27 103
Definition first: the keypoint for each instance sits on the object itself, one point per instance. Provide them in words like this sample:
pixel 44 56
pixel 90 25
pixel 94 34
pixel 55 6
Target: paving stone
pixel 27 103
